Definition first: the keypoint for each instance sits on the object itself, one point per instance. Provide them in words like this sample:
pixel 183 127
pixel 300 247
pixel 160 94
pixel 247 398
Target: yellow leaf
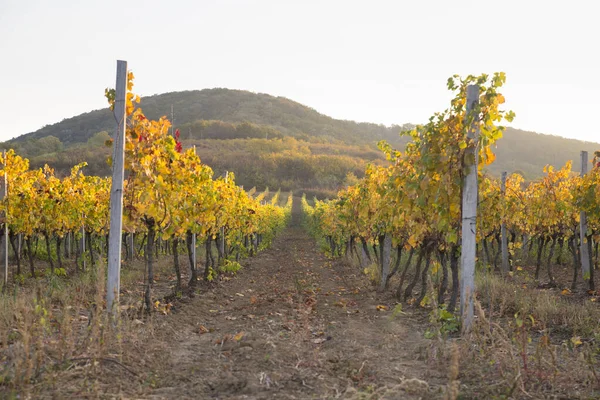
pixel 489 156
pixel 452 237
pixel 454 208
pixel 239 336
pixel 412 241
pixel 435 267
pixel 576 340
pixel 382 308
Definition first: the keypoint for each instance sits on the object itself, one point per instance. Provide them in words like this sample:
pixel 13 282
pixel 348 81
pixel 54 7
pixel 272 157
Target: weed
pixel 373 272
pixel 212 274
pixel 230 267
pixel 445 323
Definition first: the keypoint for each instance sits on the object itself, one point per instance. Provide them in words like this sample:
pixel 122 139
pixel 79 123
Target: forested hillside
pixel 202 113
pixel 271 141
pixel 528 152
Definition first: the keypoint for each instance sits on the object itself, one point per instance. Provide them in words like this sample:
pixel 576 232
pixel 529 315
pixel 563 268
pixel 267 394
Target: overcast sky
pixel 376 61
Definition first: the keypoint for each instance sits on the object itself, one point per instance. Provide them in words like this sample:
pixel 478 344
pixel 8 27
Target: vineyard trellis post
pixel 82 241
pixel 194 249
pixel 469 210
pixel 194 235
pixel 222 241
pixel 583 227
pixel 68 245
pixel 5 240
pixel 504 237
pixel 116 191
pixel 130 238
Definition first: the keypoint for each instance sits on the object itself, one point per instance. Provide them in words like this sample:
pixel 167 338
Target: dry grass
pixel 56 337
pixel 559 315
pixel 525 343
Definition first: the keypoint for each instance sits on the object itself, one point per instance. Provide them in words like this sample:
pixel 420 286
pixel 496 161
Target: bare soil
pixel 290 325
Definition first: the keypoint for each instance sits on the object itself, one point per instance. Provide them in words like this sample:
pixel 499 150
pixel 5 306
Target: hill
pixel 271 141
pixel 528 152
pixel 195 112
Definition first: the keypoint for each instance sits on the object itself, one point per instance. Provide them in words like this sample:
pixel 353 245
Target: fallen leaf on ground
pixel 202 329
pixel 223 340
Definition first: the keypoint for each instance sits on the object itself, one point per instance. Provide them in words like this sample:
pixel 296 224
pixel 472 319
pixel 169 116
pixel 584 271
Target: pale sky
pixel 375 61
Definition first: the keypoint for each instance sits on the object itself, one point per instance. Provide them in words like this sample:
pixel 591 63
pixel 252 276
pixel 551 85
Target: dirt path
pixel 291 325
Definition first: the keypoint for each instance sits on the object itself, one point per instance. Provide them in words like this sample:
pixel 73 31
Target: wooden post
pixel 172 122
pixel 469 211
pixel 525 249
pixel 386 250
pixel 5 240
pixel 222 241
pixel 116 192
pixel 194 249
pixel 193 234
pixel 131 246
pixel 222 244
pixel 68 245
pixel 83 241
pixel 584 249
pixel 504 236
